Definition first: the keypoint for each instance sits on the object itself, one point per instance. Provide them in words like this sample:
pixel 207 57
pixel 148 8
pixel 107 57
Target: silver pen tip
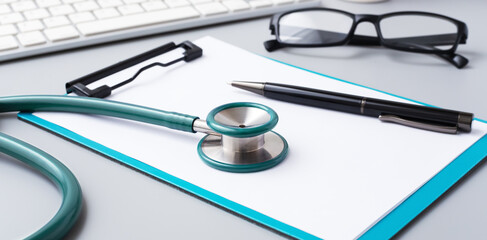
pixel 254 87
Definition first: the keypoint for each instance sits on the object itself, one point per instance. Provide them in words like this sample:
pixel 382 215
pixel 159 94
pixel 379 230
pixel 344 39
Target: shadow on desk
pixel 370 54
pixel 75 232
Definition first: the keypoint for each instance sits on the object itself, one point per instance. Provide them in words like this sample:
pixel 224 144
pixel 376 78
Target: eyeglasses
pixel 419 32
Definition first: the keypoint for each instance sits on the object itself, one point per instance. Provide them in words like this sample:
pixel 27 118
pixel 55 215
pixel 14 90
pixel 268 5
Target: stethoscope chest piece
pixel 246 143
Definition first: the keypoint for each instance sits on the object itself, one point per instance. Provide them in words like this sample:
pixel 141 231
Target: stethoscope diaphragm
pixel 245 142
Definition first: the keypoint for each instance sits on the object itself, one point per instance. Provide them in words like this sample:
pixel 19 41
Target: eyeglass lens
pixel 314 27
pixel 405 31
pixel 419 32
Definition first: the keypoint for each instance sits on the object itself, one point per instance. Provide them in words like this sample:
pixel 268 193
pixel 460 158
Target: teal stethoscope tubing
pixel 89 105
pixel 70 208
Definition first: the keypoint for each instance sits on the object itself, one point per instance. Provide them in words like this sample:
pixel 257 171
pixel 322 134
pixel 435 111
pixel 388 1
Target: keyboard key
pixel 47 3
pixel 56 21
pixel 7 1
pixel 30 26
pixel 4 8
pixel 72 1
pixel 279 2
pixel 109 3
pixel 85 6
pixel 211 8
pixel 131 21
pixel 260 3
pixel 8 29
pixel 236 5
pixel 133 1
pixel 23 6
pixel 130 9
pixel 200 1
pixel 61 33
pixel 153 5
pixel 7 43
pixel 177 3
pixel 36 14
pixel 61 10
pixel 11 18
pixel 81 17
pixel 31 38
pixel 106 13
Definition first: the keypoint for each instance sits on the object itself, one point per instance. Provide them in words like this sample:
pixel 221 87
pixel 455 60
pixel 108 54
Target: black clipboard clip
pixel 79 86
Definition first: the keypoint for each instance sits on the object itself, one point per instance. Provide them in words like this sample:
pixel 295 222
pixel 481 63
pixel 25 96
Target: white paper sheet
pixel 343 171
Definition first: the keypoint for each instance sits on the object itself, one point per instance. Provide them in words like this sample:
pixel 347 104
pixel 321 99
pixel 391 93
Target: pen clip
pixel 420 125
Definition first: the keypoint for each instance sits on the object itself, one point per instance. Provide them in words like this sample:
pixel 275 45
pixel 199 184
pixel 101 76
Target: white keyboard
pixel 32 27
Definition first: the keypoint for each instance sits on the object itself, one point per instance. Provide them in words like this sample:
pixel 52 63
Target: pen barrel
pixel 368 106
pixel 376 107
pixel 314 97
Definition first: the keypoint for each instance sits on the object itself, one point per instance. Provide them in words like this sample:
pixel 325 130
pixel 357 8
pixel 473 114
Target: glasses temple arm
pixel 272 45
pixel 443 39
pixel 457 60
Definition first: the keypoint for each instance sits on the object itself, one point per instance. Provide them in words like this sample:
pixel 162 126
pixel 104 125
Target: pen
pixel 428 118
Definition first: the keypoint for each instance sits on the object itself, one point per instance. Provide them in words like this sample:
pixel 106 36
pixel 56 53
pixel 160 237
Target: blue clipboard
pixel 385 228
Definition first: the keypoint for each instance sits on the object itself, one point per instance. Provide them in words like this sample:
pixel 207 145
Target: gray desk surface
pixel 120 203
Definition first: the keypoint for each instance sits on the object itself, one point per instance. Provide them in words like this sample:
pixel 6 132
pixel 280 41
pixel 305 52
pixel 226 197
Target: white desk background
pixel 129 205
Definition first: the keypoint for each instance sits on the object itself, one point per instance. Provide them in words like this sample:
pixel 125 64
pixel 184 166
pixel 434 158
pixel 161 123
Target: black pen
pixel 428 118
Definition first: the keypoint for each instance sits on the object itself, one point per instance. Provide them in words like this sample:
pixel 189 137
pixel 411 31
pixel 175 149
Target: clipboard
pixel 457 154
pixel 80 85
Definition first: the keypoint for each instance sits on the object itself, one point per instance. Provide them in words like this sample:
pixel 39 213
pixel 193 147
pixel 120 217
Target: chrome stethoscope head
pixel 240 138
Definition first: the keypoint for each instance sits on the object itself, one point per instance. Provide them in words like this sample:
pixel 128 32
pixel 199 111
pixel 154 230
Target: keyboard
pixel 33 27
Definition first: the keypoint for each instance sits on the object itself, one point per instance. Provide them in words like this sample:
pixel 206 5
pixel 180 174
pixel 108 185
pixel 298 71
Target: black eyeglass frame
pixel 447 54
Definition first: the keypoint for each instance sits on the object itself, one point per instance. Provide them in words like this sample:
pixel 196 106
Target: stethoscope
pixel 239 139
